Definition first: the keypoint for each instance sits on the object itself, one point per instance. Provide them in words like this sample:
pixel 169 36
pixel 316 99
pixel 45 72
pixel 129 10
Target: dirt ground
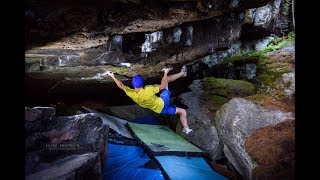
pixel 273 149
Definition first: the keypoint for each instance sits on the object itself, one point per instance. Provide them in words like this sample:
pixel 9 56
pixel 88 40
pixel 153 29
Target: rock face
pixel 273 18
pixel 201 121
pixel 217 57
pixel 78 43
pixel 265 16
pixel 257 44
pixel 236 121
pixel 148 49
pixel 262 16
pixel 96 18
pixel 71 167
pixel 37 119
pixel 277 73
pixel 130 112
pixel 206 96
pixel 67 146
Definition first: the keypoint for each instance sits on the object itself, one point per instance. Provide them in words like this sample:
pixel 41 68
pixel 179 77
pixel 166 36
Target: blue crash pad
pixel 147 120
pixel 129 163
pixel 187 168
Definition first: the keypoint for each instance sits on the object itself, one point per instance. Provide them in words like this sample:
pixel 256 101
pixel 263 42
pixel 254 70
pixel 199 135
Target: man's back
pixel 146 97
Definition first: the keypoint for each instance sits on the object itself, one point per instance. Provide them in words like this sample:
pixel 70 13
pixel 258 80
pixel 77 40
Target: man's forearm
pixel 163 82
pixel 119 83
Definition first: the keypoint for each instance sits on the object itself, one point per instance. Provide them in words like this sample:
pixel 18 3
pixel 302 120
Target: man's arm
pixel 119 83
pixel 164 80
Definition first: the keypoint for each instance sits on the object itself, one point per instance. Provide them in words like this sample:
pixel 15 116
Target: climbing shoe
pixel 188 131
pixel 184 70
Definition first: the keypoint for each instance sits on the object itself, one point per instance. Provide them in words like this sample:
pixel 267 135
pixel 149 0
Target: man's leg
pixel 176 110
pixel 165 95
pixel 182 73
pixel 183 119
pixel 183 116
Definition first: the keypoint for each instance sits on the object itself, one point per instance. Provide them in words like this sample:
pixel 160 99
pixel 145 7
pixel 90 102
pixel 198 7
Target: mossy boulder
pixel 236 121
pixel 276 75
pixel 275 67
pixel 200 113
pixel 227 88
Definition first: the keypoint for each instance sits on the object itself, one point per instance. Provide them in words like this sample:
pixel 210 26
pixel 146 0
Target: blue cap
pixel 137 81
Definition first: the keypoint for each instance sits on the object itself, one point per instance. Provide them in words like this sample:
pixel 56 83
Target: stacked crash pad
pixel 177 157
pixel 187 168
pixel 169 155
pixel 129 162
pixel 160 140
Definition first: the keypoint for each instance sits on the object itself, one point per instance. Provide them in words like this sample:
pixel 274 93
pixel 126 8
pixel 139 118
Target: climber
pixel 145 96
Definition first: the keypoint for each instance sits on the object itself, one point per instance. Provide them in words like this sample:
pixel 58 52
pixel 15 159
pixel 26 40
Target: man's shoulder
pixel 151 86
pixel 127 89
pixel 152 89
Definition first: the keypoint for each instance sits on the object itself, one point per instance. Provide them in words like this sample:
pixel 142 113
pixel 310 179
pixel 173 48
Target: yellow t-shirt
pixel 146 97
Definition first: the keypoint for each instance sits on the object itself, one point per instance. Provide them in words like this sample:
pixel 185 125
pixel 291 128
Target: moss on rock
pixel 228 88
pixel 248 17
pixel 219 100
pixel 270 71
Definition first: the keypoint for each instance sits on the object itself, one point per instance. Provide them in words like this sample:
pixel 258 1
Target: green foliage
pixel 248 17
pixel 276 44
pixel 269 75
pixel 269 71
pixel 262 63
pixel 291 35
pixel 286 7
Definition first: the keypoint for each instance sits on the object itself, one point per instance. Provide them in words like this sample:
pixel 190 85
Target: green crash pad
pixel 161 140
